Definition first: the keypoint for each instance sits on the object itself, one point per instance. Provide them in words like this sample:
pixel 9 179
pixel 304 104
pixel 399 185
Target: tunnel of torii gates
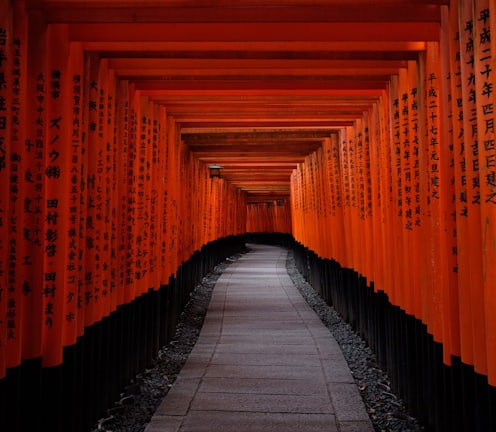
pixel 359 134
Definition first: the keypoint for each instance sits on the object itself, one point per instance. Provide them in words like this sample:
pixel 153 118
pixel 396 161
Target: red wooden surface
pixel 351 125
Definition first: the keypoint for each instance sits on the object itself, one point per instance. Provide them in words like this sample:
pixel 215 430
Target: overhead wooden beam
pixel 249 31
pixel 241 78
pixel 261 135
pixel 252 49
pixel 212 63
pixel 213 3
pixel 72 12
pixel 342 85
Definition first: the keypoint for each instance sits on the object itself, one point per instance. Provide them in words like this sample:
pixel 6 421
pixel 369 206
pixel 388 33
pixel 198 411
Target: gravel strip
pixel 386 411
pixel 142 397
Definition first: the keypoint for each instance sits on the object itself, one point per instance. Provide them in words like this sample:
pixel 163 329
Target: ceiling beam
pixel 72 12
pixel 253 87
pixel 255 32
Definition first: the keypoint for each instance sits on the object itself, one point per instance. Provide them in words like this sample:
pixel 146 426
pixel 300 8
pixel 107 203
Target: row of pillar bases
pixel 107 358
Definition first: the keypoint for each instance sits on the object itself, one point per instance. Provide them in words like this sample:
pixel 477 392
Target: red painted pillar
pixel 34 150
pixel 485 299
pixel 122 142
pixel 75 276
pixel 6 66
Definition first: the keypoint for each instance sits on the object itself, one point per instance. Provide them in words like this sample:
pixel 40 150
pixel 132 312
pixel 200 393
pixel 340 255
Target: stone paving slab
pixel 264 361
pixel 247 422
pixel 261 348
pixel 265 403
pixel 267 359
pixel 273 386
pixel 267 372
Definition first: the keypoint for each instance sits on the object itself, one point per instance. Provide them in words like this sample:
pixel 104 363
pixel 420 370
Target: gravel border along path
pixel 142 397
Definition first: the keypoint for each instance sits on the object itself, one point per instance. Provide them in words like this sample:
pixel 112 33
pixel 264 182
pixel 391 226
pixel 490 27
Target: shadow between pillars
pixel 444 398
pixel 96 370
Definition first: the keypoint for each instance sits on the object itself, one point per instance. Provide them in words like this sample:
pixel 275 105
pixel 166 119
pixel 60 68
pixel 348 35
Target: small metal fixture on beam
pixel 215 170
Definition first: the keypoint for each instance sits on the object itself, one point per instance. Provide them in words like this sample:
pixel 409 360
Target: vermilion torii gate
pixel 362 130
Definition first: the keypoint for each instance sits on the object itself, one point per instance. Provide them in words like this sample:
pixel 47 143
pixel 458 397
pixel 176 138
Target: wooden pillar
pixel 485 299
pixel 6 42
pixel 33 150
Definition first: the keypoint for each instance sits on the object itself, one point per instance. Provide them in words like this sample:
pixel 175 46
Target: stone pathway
pixel 264 362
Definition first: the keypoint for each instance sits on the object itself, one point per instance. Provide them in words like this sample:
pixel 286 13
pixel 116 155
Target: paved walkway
pixel 264 362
